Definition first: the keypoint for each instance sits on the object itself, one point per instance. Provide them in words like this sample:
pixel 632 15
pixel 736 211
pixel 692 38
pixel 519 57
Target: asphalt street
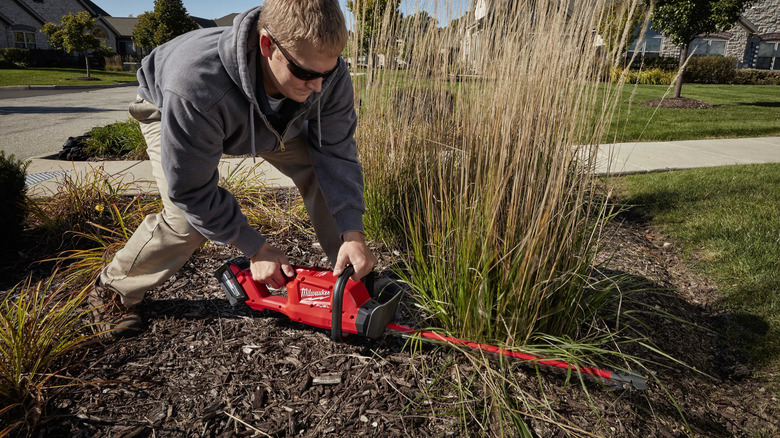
pixel 34 123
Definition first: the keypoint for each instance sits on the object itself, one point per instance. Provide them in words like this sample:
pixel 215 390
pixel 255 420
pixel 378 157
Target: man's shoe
pixel 110 316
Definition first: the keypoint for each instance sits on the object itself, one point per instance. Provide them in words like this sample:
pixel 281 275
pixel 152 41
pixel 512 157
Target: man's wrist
pixel 353 236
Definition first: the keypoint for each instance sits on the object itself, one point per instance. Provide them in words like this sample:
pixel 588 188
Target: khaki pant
pixel 164 241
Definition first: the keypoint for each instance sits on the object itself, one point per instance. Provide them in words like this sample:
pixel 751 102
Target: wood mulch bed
pixel 205 369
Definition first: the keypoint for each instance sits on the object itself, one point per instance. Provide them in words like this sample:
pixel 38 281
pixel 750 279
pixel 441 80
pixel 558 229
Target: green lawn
pixel 62 76
pixel 740 111
pixel 727 221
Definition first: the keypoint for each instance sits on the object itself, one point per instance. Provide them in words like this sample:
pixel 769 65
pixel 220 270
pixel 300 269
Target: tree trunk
pixel 681 69
pixel 86 59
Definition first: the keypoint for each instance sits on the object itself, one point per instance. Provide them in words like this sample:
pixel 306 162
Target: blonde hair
pixel 319 22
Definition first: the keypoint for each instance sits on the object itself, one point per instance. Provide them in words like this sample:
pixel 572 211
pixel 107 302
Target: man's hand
pixel 355 252
pixel 270 266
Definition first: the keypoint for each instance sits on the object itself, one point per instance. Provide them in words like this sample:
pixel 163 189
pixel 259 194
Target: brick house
pixel 21 21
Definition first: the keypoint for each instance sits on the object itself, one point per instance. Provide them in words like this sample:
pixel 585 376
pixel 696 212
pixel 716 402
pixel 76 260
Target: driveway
pixel 35 123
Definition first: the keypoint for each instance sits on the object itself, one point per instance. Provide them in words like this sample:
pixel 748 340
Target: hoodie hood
pixel 238 51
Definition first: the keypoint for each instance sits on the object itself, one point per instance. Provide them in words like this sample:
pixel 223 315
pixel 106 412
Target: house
pixel 754 40
pixel 123 26
pixel 21 21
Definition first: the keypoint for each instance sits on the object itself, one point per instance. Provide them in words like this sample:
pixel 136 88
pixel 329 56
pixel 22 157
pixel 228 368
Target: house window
pixel 768 55
pixel 650 46
pixel 24 40
pixel 708 46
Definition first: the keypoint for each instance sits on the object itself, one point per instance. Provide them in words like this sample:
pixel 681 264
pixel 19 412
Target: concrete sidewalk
pixel 46 173
pixel 625 158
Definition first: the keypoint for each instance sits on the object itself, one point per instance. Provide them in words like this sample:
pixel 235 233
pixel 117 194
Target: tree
pixel 619 16
pixel 168 20
pixel 368 15
pixel 75 33
pixel 683 20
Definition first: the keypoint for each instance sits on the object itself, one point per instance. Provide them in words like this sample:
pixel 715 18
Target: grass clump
pixel 490 179
pixel 40 323
pixel 727 220
pixel 87 220
pixel 117 140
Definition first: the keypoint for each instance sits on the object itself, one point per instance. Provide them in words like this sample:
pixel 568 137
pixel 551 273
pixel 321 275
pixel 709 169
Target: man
pixel 273 85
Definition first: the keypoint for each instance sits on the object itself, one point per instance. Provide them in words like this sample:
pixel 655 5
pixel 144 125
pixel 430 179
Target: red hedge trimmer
pixel 315 297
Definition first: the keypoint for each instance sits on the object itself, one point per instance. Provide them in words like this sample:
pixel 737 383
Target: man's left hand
pixel 355 252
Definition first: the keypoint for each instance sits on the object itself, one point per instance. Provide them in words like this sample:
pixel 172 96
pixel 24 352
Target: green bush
pixel 654 76
pixel 117 140
pixel 13 58
pixel 752 76
pixel 711 70
pixel 13 195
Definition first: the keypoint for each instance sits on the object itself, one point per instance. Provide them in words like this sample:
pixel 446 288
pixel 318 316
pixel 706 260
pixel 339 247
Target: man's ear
pixel 266 45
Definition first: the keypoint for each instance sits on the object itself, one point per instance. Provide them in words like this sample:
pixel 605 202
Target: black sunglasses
pixel 298 71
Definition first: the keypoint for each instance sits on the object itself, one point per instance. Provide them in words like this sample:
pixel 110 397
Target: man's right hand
pixel 270 266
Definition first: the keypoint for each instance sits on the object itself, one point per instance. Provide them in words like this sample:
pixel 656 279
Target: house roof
pixel 227 20
pixel 30 11
pixel 204 22
pixel 747 24
pixel 123 25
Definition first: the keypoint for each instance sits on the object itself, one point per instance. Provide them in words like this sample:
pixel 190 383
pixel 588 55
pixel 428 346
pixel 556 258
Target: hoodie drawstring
pixel 252 130
pixel 319 122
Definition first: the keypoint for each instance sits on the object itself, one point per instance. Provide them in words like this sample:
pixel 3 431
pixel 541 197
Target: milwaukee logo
pixel 317 294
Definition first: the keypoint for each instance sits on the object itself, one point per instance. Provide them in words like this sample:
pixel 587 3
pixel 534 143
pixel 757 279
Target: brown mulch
pixel 677 102
pixel 205 369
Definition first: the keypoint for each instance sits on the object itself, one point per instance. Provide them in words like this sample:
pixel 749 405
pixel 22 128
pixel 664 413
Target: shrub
pixel 752 76
pixel 13 195
pixel 653 76
pixel 711 70
pixel 117 140
pixel 114 63
pixel 13 58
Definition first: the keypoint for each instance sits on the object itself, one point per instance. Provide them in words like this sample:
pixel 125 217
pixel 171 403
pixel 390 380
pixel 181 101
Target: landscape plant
pixel 479 166
pixel 492 179
pixel 117 140
pixel 40 323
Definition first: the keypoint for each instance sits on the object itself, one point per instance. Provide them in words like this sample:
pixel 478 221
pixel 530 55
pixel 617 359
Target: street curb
pixel 67 87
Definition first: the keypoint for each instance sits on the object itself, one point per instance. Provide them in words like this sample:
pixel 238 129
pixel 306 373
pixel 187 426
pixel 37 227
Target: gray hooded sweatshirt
pixel 205 84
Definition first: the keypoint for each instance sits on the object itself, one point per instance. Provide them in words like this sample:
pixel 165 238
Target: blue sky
pixel 216 8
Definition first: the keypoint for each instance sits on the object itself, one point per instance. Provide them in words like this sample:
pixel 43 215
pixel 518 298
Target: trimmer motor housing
pixel 315 297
